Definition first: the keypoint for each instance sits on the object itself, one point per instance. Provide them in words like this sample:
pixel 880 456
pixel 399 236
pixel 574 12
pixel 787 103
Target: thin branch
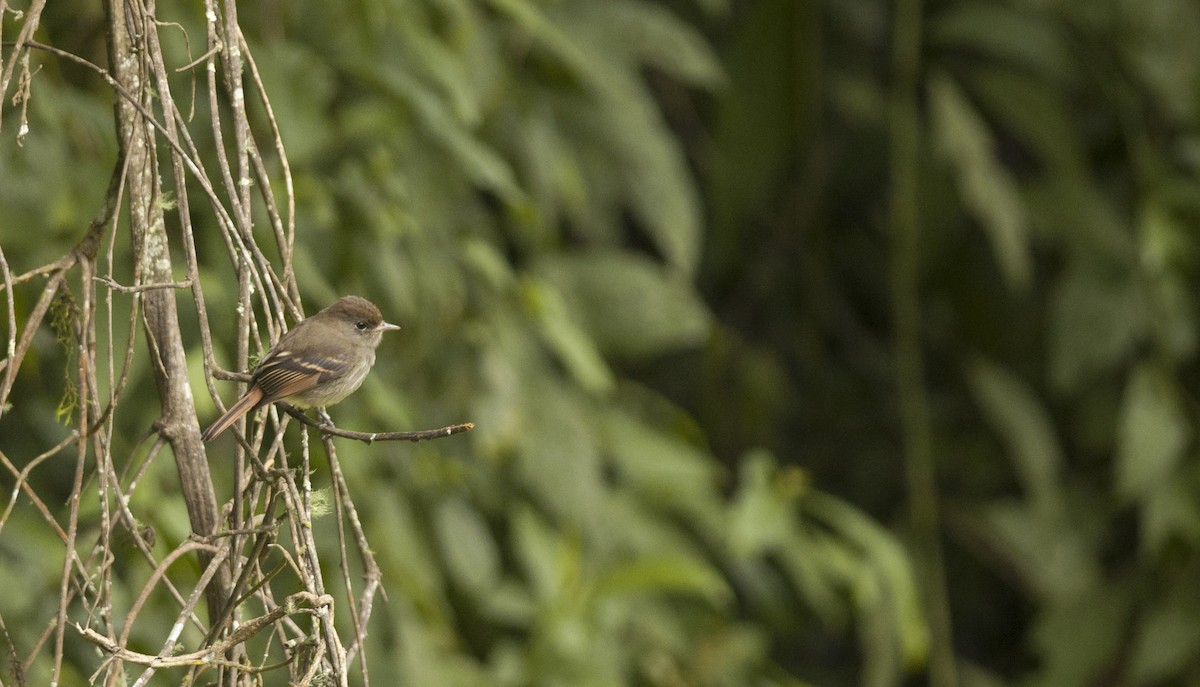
pixel 210 571
pixel 192 65
pixel 33 17
pixel 108 281
pixel 192 165
pixel 317 603
pixel 371 437
pixel 10 348
pixel 372 575
pixel 269 298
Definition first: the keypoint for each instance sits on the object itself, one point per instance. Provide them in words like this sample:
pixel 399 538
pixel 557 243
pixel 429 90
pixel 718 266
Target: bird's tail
pixel 244 405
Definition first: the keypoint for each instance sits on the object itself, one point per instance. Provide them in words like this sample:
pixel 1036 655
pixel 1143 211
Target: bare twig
pixel 33 17
pixel 371 437
pixel 10 348
pixel 213 655
pixel 238 547
pixel 108 281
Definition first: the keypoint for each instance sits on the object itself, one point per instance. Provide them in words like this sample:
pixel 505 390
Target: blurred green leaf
pixel 1077 639
pixel 1166 640
pixel 887 597
pixel 1023 423
pixel 629 306
pixel 760 516
pixel 670 574
pixel 1165 242
pixel 661 468
pixel 302 86
pixel 471 555
pixel 1161 44
pixel 1050 559
pixel 619 119
pixel 1152 435
pixel 1011 35
pixel 1171 513
pixel 421 654
pixel 653 36
pixel 1096 320
pixel 542 553
pixel 411 557
pixel 476 158
pixel 1027 107
pixel 988 189
pixel 559 458
pixel 563 335
pixel 762 119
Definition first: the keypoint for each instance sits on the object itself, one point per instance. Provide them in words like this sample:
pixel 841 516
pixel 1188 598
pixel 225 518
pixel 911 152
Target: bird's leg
pixel 323 418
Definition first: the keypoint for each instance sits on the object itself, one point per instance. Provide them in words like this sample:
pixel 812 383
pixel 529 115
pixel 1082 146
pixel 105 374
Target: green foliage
pixel 655 274
pixel 501 178
pixel 1058 201
pixel 987 188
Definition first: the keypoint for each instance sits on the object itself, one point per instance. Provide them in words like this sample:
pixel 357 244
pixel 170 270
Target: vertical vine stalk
pixel 158 161
pixel 904 217
pixel 128 56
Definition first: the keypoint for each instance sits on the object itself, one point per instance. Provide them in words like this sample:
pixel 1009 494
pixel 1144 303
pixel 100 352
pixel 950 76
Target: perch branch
pixel 372 437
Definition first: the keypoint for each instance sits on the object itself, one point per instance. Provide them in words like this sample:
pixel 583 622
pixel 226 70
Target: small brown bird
pixel 321 361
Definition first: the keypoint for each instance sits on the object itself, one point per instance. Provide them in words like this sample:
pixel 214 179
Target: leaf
pixel 541 551
pixel 1164 241
pixel 409 554
pixel 1036 113
pixel 445 63
pixel 620 117
pixel 419 654
pixel 477 159
pixel 891 601
pixel 760 122
pixel 657 575
pixel 629 306
pixel 1051 561
pixel 574 348
pixel 1074 638
pixel 1008 34
pixel 651 35
pixel 471 555
pixel 632 165
pixel 655 175
pixel 1096 320
pixel 661 468
pixel 1015 413
pixel 1166 640
pixel 1084 218
pixel 485 261
pixel 1170 514
pixel 761 517
pixel 558 458
pixel 1152 435
pixel 988 190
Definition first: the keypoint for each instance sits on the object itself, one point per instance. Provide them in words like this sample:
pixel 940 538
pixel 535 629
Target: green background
pixel 646 246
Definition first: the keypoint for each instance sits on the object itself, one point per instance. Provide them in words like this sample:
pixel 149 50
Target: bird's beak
pixel 387 326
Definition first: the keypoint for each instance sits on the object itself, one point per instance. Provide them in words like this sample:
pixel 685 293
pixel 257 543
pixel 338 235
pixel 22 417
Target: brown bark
pixel 129 56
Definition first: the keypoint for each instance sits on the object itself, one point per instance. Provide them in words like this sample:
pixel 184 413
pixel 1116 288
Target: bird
pixel 321 361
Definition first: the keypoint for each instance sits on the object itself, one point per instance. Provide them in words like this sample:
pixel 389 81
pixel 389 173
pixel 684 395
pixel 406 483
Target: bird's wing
pixel 284 374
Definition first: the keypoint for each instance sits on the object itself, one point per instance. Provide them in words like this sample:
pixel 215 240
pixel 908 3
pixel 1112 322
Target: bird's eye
pixel 360 325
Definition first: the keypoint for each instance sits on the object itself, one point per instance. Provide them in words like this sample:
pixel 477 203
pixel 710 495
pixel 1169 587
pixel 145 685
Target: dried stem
pixel 244 560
